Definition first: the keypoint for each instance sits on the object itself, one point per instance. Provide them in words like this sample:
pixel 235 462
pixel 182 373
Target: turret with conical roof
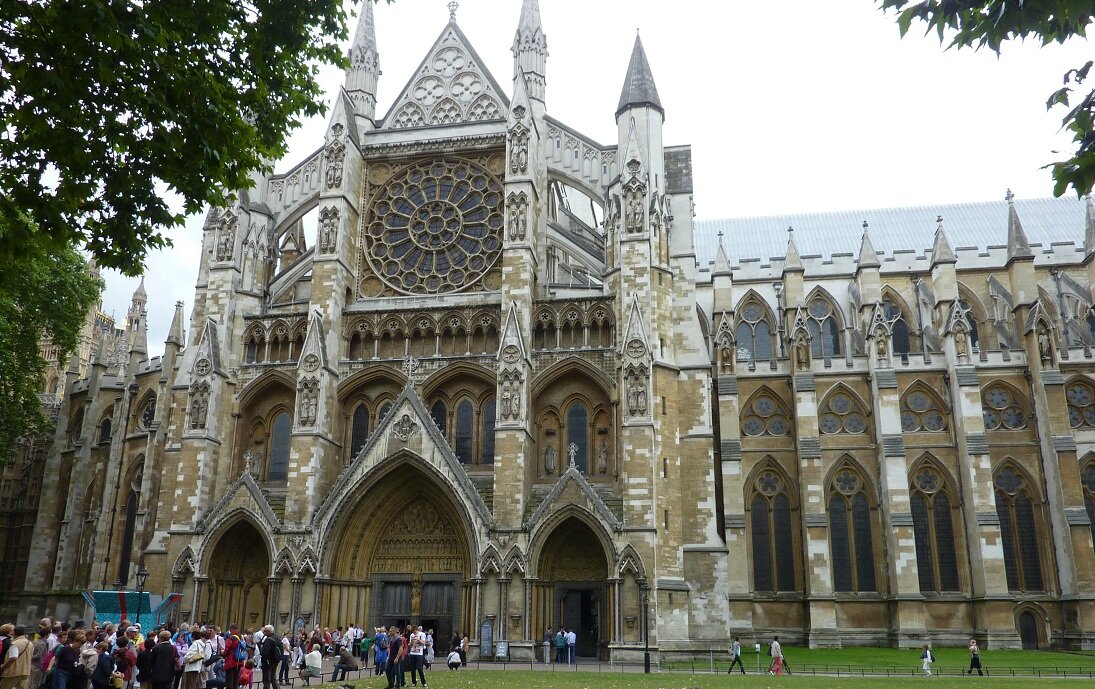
pixel 639 87
pixel 1020 264
pixel 364 70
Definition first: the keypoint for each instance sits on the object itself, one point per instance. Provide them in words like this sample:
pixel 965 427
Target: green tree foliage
pixel 49 295
pixel 990 24
pixel 107 104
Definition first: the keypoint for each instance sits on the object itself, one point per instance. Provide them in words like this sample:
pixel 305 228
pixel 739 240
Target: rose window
pixel 1001 410
pixel 435 228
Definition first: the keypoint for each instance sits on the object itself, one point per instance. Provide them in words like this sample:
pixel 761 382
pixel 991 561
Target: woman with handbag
pixel 194 661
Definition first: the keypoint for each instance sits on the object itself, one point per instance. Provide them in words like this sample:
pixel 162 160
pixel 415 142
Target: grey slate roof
pixel 981 225
pixel 639 88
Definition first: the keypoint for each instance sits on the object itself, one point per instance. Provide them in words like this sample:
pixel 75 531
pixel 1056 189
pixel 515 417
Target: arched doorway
pixel 1028 630
pixel 403 557
pixel 573 563
pixel 238 569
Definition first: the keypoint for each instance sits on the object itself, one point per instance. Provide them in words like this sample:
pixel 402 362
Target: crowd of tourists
pixel 59 655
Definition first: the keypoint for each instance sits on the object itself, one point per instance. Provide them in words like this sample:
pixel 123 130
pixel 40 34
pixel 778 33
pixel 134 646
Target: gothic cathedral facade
pixel 499 389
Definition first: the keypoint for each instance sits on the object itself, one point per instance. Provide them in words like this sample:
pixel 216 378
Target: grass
pixel 948 660
pixel 524 679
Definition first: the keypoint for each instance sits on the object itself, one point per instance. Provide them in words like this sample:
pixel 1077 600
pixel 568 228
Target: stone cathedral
pixel 466 366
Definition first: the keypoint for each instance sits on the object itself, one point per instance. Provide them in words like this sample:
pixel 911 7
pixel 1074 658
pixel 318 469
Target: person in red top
pixel 231 665
pixel 125 659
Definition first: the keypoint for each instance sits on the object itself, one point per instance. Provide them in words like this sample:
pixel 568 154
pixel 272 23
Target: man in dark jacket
pixel 270 652
pixel 162 661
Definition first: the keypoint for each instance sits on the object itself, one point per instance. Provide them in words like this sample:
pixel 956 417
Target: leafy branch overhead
pixel 107 105
pixel 990 24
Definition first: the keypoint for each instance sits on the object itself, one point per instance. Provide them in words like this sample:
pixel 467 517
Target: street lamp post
pixel 142 577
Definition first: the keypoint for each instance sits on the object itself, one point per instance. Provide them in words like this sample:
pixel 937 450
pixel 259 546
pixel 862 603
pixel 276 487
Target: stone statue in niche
pixel 199 406
pixel 802 353
pixel 549 458
pixel 961 346
pixel 1045 345
pixel 726 359
pixel 634 219
pixel 252 462
pixel 518 154
pixel 225 245
pixel 636 395
pixel 882 349
pixel 602 458
pixel 309 404
pixel 336 153
pixel 518 218
pixel 511 399
pixel 328 230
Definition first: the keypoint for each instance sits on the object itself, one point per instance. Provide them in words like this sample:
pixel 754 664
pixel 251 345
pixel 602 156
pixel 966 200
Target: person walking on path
pixel 975 659
pixel 928 658
pixel 776 651
pixel 735 657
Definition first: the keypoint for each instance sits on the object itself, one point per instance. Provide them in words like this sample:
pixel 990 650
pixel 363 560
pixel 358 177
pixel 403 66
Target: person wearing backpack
pixel 235 654
pixel 270 652
pixel 381 659
pixel 928 658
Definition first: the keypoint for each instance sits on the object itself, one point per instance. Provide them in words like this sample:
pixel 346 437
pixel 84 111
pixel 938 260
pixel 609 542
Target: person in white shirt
pixel 453 660
pixel 776 651
pixel 416 655
pixel 572 641
pixel 313 664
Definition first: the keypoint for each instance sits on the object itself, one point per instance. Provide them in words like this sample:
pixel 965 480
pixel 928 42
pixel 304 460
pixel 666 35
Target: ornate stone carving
pixel 511 354
pixel 203 366
pixel 636 391
pixel 517 205
pixel 252 462
pixel 310 362
pixel 199 405
pixel 518 147
pixel 328 230
pixel 308 406
pixel 335 154
pixel 404 428
pixel 633 212
pixel 227 238
pixel 511 396
pixel 636 348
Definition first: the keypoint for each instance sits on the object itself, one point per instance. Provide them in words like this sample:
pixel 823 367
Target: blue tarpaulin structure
pixel 113 606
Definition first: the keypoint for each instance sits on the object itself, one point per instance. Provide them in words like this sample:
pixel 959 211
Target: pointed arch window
pixel 1081 405
pixel 765 416
pixel 360 429
pixel 899 326
pixel 578 436
pixel 465 431
pixel 851 533
pixel 772 534
pixel 971 323
pixel 842 413
pixel 440 415
pixel 1019 533
pixel 825 340
pixel 933 526
pixel 922 412
pixel 754 333
pixel 486 455
pixel 129 530
pixel 1002 410
pixel 279 447
pixel 1087 477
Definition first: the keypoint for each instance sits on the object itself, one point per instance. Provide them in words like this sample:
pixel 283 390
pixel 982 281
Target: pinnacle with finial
pixel 1009 196
pixel 453 6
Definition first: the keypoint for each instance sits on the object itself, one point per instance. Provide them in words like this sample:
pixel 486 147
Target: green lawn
pixel 948 660
pixel 523 679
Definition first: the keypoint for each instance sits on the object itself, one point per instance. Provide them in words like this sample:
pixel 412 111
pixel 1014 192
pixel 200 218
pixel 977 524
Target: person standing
pixel 395 647
pixel 232 663
pixel 104 667
pixel 270 653
pixel 735 657
pixel 380 661
pixel 39 648
pixel 776 651
pixel 16 663
pixel 572 643
pixel 975 658
pixel 560 646
pixel 416 655
pixel 286 652
pixel 928 658
pixel 162 661
pixel 194 661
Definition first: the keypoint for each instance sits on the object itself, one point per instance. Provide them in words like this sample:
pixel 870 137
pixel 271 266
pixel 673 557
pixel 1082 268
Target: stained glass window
pixel 279 448
pixel 1018 531
pixel 465 429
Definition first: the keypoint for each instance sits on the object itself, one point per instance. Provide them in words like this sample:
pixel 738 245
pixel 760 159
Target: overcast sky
pixel 790 106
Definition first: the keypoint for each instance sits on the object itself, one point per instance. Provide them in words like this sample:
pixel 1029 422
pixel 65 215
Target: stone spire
pixel 175 332
pixel 722 263
pixel 364 69
pixel 530 51
pixel 792 260
pixel 1018 244
pixel 941 249
pixel 868 257
pixel 1089 230
pixel 135 317
pixel 639 88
